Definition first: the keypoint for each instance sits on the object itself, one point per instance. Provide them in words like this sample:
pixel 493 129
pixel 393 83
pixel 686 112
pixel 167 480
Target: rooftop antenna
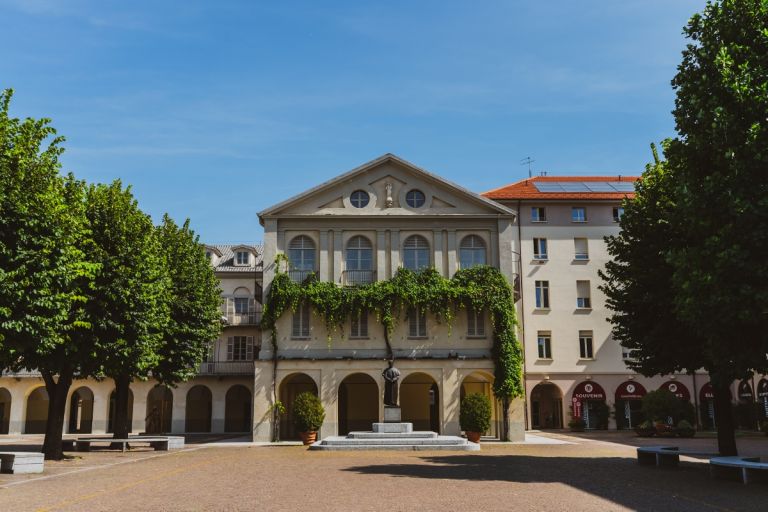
pixel 528 161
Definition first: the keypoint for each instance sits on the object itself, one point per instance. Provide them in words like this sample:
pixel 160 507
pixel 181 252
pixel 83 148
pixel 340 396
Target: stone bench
pixel 747 468
pixel 19 463
pixel 666 456
pixel 162 443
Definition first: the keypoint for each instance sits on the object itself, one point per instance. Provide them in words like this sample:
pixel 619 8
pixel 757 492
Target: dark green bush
pixel 475 413
pixel 660 405
pixel 308 412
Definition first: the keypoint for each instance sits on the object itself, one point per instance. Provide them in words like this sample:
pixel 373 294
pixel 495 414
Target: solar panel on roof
pixel 623 186
pixel 599 186
pixel 548 186
pixel 574 186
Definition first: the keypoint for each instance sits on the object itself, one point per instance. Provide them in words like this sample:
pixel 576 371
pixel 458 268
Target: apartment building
pixel 219 399
pixel 573 367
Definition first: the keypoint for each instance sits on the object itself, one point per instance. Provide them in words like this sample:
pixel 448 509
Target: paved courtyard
pixel 551 472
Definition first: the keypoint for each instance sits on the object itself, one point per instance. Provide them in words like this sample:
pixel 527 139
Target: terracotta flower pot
pixel 473 436
pixel 308 437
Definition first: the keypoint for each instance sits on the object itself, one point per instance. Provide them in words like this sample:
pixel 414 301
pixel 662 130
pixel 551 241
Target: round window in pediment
pixel 359 198
pixel 415 198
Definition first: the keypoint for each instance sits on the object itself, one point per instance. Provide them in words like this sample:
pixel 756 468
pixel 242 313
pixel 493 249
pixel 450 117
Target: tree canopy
pixel 689 284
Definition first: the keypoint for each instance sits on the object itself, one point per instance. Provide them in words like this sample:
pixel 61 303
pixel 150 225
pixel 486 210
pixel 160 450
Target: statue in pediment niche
pixel 389 201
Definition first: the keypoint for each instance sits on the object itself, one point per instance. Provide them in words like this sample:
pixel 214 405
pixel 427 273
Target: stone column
pixel 451 400
pixel 263 400
pixel 337 248
pixel 451 252
pixel 139 423
pixel 324 266
pixel 179 410
pixel 438 251
pixel 517 420
pixel 218 406
pixel 327 393
pixel 394 251
pixel 101 409
pixel 18 406
pixel 381 255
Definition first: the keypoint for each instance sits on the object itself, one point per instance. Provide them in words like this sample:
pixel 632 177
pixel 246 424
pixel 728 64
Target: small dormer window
pixel 241 258
pixel 208 255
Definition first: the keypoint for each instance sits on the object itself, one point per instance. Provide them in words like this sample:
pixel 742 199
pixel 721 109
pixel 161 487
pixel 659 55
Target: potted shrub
pixel 685 429
pixel 577 425
pixel 645 429
pixel 475 416
pixel 308 416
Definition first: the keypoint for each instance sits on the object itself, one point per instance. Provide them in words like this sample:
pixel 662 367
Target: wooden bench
pixel 19 463
pixel 666 456
pixel 747 468
pixel 162 443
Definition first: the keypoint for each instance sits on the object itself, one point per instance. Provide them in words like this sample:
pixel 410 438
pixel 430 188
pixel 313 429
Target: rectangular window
pixel 300 326
pixel 540 248
pixel 627 354
pixel 544 342
pixel 618 211
pixel 585 345
pixel 417 324
pixel 241 258
pixel 542 294
pixel 240 348
pixel 581 250
pixel 583 299
pixel 538 214
pixel 359 325
pixel 475 323
pixel 242 305
pixel 578 214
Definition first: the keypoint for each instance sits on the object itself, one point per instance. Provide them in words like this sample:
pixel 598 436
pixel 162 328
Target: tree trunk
pixel 505 420
pixel 726 433
pixel 122 389
pixel 57 402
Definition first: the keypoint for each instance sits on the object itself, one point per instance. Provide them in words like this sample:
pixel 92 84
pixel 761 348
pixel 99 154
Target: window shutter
pixel 413 324
pixel 471 317
pixel 364 324
pixel 480 324
pixel 305 320
pixel 249 349
pixel 230 348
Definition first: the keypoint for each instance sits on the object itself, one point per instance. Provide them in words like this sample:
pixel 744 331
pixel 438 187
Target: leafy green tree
pixel 689 289
pixel 43 264
pixel 195 303
pixel 130 304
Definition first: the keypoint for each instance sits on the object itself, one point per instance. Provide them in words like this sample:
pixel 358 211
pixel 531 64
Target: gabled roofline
pixel 213 249
pixel 387 157
pixel 251 249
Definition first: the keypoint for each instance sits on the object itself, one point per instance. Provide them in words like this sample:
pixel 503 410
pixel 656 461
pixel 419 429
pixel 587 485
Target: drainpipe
pixel 522 311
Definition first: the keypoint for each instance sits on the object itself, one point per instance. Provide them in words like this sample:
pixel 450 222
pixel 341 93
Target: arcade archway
pixel 546 406
pixel 420 402
pixel 37 412
pixel 237 410
pixel 81 411
pixel 290 388
pixel 159 410
pixel 197 417
pixel 478 382
pixel 358 403
pixel 5 410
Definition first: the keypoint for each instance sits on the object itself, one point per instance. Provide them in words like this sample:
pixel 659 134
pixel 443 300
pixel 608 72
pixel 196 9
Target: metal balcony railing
pixel 299 276
pixel 358 277
pixel 22 373
pixel 226 368
pixel 245 318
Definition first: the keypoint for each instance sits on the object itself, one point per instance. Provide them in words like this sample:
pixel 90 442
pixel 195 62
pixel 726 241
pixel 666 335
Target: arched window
pixel 301 253
pixel 359 254
pixel 415 253
pixel 472 251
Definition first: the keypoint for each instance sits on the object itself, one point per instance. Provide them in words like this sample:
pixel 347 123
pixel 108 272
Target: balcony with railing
pixel 300 276
pixel 358 277
pixel 226 368
pixel 249 317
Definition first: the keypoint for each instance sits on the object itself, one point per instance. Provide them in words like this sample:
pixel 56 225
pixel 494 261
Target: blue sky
pixel 215 110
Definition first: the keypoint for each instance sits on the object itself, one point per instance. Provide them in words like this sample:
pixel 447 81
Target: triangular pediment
pixel 387 186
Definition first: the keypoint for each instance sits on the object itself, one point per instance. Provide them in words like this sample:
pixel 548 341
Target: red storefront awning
pixel 630 390
pixel 678 389
pixel 762 388
pixel 589 390
pixel 745 392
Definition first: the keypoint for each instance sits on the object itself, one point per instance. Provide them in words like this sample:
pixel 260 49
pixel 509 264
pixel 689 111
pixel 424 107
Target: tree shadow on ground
pixel 620 480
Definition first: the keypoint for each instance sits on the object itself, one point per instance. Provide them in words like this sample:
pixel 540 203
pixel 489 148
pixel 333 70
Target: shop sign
pixel 678 389
pixel 762 388
pixel 630 391
pixel 745 392
pixel 589 391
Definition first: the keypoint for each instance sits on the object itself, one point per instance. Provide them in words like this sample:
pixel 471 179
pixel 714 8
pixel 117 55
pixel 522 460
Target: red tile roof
pixel 525 189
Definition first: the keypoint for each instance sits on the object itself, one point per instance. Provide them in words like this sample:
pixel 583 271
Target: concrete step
pixel 392 435
pixel 468 447
pixel 394 441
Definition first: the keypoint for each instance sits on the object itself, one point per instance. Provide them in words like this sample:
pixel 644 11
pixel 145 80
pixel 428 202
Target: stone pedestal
pixel 393 428
pixel 391 414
